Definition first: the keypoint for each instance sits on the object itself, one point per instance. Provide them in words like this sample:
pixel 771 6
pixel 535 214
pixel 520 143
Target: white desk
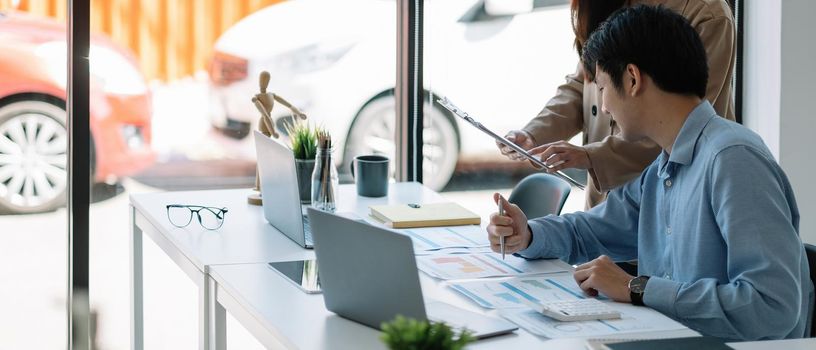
pixel 229 267
pixel 245 237
pixel 277 312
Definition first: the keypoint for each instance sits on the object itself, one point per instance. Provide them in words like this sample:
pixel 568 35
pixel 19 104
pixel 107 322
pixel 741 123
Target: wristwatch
pixel 637 286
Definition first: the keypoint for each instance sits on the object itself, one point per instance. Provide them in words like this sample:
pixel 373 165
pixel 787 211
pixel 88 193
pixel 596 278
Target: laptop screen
pixel 279 189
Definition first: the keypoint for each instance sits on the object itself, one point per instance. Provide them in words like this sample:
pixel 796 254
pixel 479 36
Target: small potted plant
pixel 409 334
pixel 303 142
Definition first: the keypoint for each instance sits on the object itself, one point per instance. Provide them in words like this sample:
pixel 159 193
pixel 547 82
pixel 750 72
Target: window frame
pixel 79 180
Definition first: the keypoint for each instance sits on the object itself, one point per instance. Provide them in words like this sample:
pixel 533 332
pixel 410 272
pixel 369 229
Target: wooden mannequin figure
pixel 265 102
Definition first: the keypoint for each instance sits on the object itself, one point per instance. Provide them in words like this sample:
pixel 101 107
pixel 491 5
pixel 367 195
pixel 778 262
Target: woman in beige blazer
pixel 576 106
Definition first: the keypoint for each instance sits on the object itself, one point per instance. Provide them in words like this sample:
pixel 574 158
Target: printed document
pixel 436 238
pixel 506 295
pixel 461 266
pixel 478 250
pixel 634 319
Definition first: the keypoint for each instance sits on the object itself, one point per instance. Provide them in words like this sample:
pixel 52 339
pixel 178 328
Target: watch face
pixel 638 284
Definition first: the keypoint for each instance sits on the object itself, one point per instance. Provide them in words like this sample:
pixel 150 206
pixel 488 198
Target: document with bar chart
pixel 477 250
pixel 506 295
pixel 438 238
pixel 461 266
pixel 634 319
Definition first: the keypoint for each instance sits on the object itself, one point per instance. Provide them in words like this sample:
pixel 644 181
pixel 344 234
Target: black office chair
pixel 810 250
pixel 543 194
pixel 540 195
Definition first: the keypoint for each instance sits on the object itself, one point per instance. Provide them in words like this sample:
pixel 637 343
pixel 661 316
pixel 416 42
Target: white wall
pixel 780 92
pixel 761 70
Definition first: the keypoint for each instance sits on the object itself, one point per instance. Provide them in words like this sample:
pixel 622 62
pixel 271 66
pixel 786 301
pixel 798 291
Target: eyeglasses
pixel 210 218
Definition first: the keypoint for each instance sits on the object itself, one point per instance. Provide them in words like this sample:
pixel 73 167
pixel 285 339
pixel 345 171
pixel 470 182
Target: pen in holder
pixel 324 177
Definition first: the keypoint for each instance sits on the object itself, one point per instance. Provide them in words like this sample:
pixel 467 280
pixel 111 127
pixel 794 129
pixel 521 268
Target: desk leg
pixel 211 316
pixel 136 285
pixel 203 312
pixel 218 318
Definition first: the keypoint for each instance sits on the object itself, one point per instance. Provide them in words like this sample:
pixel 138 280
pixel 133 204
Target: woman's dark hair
pixel 587 15
pixel 660 42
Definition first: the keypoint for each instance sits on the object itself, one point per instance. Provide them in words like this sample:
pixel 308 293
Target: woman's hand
pixel 562 155
pixel 522 138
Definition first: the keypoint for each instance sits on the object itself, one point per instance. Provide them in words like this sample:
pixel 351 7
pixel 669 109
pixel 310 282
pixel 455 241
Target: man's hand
pixel 602 275
pixel 513 226
pixel 522 138
pixel 562 155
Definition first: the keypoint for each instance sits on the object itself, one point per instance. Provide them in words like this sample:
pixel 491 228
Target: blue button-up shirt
pixel 714 224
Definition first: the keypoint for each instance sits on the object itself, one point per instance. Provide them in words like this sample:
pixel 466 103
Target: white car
pixel 500 60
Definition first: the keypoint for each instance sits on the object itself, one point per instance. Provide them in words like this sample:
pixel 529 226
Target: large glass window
pixel 33 177
pixel 170 109
pixel 178 91
pixel 500 61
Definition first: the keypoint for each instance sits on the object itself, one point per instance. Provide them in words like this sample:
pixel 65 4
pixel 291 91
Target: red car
pixel 33 133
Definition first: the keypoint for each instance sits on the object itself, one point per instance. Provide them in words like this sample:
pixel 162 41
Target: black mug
pixel 371 175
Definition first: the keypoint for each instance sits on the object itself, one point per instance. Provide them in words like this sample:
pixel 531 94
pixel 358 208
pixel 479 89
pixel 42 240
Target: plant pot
pixel 304 168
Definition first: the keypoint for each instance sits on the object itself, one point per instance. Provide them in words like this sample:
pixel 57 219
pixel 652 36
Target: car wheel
pixel 373 133
pixel 33 157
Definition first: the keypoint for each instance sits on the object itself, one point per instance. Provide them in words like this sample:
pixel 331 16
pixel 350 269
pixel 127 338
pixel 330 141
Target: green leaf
pixel 302 139
pixel 410 334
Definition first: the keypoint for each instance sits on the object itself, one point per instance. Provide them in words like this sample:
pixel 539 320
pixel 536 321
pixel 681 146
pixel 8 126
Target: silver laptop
pixel 279 187
pixel 369 275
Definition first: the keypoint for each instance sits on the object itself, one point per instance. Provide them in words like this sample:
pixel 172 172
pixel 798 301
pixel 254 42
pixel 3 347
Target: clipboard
pixel 445 102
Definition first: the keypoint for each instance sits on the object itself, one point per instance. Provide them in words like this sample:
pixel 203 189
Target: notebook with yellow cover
pixel 424 215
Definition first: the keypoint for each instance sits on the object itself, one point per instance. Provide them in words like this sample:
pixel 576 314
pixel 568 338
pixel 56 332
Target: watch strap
pixel 637 296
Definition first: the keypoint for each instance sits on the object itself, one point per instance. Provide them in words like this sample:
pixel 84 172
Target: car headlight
pixel 313 57
pixel 110 69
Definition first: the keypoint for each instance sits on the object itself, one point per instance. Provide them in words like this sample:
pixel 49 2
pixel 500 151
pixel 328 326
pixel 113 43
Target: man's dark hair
pixel 661 43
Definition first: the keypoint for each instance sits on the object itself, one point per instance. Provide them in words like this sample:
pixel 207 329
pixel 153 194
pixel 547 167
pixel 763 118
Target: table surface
pixel 301 320
pixel 246 236
pixel 236 255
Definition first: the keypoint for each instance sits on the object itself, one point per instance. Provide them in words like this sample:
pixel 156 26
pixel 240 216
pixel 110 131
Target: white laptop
pixel 369 275
pixel 279 188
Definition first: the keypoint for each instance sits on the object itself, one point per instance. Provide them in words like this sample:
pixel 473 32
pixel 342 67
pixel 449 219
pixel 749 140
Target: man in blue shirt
pixel 713 221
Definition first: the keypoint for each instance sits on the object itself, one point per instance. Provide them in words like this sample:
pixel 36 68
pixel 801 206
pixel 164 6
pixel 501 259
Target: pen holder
pixel 324 181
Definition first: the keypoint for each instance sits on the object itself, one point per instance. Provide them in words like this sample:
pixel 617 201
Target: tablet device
pixel 302 273
pixel 445 102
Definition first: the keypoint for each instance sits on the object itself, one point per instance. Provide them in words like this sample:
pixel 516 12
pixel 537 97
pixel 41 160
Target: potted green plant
pixel 410 334
pixel 303 142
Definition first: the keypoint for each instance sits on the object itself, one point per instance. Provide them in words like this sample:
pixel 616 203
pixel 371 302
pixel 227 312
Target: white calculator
pixel 574 310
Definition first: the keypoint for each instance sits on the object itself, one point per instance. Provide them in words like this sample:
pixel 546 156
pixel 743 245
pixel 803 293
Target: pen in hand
pixel 501 213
